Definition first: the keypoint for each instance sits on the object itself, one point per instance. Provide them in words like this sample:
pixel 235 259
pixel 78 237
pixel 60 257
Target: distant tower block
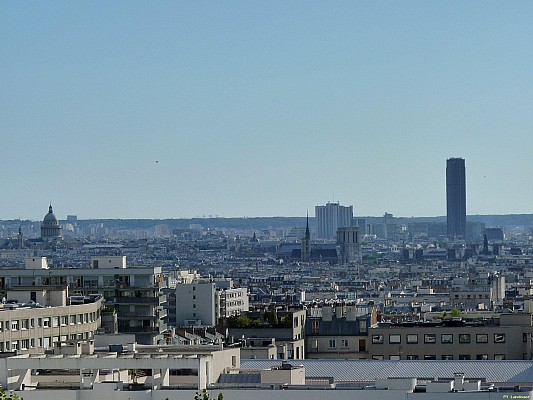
pixel 456 198
pixel 330 217
pixel 349 244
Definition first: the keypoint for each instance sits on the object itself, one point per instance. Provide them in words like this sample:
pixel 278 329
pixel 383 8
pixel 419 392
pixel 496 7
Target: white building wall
pixel 195 301
pixel 109 390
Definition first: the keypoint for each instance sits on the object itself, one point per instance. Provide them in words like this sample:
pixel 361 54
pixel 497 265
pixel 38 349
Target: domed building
pixel 50 228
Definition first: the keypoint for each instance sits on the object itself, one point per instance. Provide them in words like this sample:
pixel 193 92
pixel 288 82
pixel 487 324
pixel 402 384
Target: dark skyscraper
pixel 456 198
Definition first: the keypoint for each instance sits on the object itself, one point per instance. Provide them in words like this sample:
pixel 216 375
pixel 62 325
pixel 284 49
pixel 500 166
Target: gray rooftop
pixel 515 371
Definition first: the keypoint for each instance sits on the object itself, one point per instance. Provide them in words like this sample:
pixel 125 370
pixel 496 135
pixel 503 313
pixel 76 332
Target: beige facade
pixel 134 292
pixel 509 338
pixel 32 328
pixel 337 347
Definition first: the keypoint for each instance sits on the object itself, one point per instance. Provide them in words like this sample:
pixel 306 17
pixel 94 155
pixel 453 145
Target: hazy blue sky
pixel 154 109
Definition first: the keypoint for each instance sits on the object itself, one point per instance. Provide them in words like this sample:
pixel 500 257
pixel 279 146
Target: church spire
pixel 307 233
pixel 50 208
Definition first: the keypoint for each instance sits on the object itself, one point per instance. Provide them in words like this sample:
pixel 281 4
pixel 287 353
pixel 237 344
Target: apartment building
pixel 36 318
pixel 203 302
pixel 508 337
pixel 287 338
pixel 339 332
pixel 133 292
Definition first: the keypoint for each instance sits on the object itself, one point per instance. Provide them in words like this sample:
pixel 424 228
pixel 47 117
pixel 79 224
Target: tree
pixel 8 396
pixel 206 396
pixel 455 312
pixel 272 317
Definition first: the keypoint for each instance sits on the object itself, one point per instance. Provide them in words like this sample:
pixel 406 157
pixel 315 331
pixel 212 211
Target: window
pixel 1 326
pixel 464 357
pixel 46 322
pixel 24 343
pixel 39 322
pixel 32 323
pixel 412 338
pixel 332 343
pixel 395 339
pixel 344 342
pixel 482 338
pixel 55 322
pixel 447 357
pixel 430 338
pixel 394 357
pixel 72 319
pixel 430 357
pixel 499 338
pixel 464 338
pixel 446 338
pixel 15 345
pixel 499 356
pixel 362 326
pixel 15 325
pixel 377 357
pixel 32 343
pixel 482 357
pixel 377 339
pixel 25 324
pixel 412 357
pixel 64 320
pixel 315 326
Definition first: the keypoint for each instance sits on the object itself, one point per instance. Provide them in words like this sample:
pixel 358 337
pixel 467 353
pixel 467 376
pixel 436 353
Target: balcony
pixel 142 329
pixel 140 300
pixel 138 329
pixel 142 315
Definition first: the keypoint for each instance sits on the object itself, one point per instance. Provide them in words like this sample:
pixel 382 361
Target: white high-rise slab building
pixel 331 217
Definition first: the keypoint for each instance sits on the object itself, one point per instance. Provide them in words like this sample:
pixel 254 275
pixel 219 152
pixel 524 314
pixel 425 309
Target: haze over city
pixel 179 109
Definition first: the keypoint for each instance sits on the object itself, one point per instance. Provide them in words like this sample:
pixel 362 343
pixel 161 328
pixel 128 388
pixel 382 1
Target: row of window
pixel 344 343
pixel 443 357
pixel 48 322
pixel 45 342
pixel 445 338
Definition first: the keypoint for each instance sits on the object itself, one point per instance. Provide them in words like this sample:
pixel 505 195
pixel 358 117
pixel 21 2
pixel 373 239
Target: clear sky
pixel 167 109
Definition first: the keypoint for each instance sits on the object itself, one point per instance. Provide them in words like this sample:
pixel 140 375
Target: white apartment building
pixel 331 217
pixel 34 319
pixel 203 303
pixel 134 292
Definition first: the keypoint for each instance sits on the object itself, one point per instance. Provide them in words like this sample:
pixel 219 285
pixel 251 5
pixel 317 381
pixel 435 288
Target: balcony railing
pixel 143 329
pixel 140 300
pixel 140 329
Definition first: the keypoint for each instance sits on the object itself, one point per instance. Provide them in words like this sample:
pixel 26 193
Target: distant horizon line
pixel 256 217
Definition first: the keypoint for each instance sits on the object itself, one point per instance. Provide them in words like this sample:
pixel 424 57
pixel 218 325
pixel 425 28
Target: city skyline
pixel 177 110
